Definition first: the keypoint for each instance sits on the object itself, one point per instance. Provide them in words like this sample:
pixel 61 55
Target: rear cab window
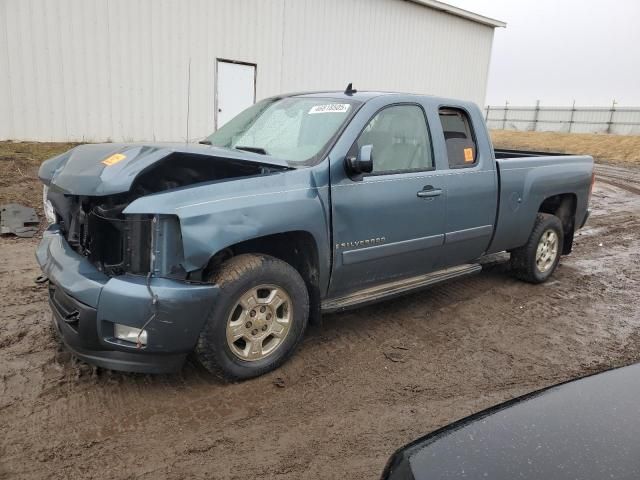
pixel 459 138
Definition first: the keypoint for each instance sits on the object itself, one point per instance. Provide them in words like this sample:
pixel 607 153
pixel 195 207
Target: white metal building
pixel 131 70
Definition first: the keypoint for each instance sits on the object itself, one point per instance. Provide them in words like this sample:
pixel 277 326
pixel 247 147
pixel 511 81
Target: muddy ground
pixel 365 383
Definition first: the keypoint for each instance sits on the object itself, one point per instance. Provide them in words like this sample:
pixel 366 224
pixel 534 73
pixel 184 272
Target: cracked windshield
pixel 294 129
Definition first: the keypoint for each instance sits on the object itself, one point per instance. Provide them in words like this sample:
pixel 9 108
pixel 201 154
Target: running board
pixel 395 288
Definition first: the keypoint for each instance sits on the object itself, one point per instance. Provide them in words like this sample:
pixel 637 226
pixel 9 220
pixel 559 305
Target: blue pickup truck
pixel 302 204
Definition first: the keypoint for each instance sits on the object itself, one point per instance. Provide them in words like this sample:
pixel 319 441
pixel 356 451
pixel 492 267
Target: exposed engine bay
pixel 96 227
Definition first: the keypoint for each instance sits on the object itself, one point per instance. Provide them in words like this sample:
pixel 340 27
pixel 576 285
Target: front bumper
pixel 86 303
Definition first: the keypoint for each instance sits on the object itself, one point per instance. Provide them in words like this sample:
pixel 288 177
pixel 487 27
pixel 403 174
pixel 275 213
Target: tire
pixel 526 263
pixel 226 344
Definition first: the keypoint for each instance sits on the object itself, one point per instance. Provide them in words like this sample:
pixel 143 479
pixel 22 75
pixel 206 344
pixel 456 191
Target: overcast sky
pixel 560 50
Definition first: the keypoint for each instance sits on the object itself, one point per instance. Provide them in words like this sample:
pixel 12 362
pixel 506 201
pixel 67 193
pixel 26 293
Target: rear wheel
pixel 258 319
pixel 536 261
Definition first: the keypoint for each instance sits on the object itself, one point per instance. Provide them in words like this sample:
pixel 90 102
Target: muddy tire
pixel 536 261
pixel 259 317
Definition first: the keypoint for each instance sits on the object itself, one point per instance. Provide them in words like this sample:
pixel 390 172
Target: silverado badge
pixel 361 243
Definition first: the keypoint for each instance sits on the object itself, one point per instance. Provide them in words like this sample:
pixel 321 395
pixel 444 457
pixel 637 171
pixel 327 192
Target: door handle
pixel 429 191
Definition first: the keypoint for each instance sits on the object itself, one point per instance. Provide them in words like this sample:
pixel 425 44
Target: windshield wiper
pixel 259 150
pixel 204 142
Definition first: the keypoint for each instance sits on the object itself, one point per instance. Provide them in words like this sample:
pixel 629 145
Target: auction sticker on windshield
pixel 330 108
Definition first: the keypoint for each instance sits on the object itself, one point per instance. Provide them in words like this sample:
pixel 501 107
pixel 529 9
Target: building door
pixel 235 89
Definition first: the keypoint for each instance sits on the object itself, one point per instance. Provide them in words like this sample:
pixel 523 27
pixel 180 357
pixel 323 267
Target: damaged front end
pixel 97 228
pixel 118 244
pixel 120 294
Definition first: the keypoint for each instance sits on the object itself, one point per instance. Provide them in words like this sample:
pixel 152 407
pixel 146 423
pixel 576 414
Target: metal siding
pixel 6 104
pixel 328 44
pixel 117 70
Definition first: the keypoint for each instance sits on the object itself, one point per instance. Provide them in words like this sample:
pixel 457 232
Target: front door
pixel 235 89
pixel 388 224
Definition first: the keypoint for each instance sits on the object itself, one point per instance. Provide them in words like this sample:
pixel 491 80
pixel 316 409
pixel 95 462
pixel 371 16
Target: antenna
pixel 350 90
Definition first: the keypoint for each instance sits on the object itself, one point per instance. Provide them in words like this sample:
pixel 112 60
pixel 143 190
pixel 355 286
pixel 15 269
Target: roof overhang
pixel 459 12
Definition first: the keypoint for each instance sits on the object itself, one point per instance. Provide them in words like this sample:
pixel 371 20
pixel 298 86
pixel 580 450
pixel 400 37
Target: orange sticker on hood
pixel 113 159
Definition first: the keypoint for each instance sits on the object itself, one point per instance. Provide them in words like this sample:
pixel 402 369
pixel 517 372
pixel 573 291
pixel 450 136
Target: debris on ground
pixel 395 357
pixel 18 220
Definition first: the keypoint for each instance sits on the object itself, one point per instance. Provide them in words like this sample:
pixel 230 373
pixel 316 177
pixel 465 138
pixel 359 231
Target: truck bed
pixel 503 154
pixel 529 178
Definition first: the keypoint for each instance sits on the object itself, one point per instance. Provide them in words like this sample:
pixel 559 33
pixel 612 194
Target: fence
pixel 613 119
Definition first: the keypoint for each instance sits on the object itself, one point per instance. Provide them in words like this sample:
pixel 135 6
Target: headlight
pixel 166 246
pixel 129 334
pixel 49 212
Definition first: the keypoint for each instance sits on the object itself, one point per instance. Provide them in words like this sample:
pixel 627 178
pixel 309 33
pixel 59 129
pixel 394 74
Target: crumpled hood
pixel 109 168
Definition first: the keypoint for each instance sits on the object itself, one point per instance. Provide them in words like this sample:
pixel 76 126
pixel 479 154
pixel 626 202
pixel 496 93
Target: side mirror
pixel 363 163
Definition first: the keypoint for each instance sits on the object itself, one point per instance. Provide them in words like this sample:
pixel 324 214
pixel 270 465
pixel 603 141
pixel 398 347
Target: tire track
pixel 625 179
pixel 617 183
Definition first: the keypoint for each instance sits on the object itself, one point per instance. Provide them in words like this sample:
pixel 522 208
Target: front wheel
pixel 259 318
pixel 536 261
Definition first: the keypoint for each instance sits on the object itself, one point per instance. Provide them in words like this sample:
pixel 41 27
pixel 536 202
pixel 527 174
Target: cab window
pixel 459 138
pixel 400 140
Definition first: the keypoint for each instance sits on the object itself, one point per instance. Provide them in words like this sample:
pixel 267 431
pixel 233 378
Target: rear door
pixel 388 224
pixel 471 185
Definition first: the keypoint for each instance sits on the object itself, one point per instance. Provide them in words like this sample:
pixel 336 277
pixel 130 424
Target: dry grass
pixel 615 149
pixel 19 163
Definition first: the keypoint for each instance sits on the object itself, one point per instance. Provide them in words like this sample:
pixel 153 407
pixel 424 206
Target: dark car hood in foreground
pixel 584 429
pixel 92 169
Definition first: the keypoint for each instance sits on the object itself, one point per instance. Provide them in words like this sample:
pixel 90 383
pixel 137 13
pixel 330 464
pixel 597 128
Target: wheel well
pixel 297 248
pixel 563 206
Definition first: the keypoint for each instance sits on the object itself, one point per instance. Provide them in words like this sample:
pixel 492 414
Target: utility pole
pixel 535 115
pixel 573 111
pixel 504 118
pixel 611 112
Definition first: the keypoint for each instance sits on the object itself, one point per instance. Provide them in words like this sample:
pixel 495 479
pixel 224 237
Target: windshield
pixel 295 129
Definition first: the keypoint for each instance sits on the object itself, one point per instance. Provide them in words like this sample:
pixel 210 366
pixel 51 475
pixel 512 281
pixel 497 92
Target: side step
pixel 397 287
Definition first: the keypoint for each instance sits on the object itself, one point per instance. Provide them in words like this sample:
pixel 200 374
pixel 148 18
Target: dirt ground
pixel 365 383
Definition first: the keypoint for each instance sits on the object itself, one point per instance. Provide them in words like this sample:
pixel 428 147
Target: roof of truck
pixel 364 96
pixel 358 95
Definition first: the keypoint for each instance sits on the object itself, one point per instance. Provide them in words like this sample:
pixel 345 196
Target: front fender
pixel 216 216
